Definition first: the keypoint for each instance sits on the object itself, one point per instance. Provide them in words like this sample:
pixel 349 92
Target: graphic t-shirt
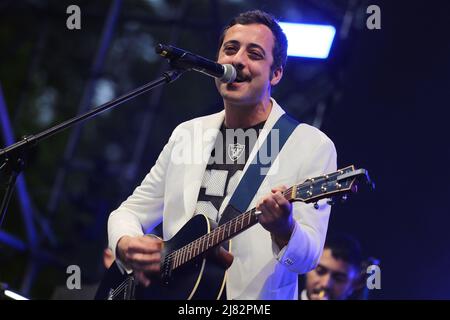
pixel 225 166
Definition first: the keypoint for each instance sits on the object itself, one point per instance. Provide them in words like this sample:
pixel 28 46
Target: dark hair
pixel 346 248
pixel 279 51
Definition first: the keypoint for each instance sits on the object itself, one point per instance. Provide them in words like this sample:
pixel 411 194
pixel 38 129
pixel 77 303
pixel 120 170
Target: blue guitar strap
pixel 256 171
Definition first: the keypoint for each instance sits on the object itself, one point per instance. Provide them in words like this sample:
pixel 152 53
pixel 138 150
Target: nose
pixel 239 60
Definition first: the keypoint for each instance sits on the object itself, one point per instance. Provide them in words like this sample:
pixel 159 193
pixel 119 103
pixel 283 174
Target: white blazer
pixel 169 192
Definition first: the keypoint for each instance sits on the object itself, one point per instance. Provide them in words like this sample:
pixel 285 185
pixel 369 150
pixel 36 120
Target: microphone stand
pixel 14 156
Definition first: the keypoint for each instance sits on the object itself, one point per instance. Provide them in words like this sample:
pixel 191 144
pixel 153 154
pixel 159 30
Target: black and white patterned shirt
pixel 228 157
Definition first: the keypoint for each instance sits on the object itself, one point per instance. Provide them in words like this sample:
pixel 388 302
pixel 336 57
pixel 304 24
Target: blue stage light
pixel 308 40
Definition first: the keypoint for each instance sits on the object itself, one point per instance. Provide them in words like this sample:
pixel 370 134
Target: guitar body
pixel 201 278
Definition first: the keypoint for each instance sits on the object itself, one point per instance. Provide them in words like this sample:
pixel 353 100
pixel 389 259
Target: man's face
pixel 249 49
pixel 335 277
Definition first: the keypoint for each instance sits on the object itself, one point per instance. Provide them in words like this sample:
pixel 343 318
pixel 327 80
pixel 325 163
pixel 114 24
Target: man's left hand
pixel 276 215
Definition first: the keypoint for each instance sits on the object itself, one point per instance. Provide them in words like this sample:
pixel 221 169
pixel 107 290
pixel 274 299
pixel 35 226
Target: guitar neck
pixel 220 234
pixel 236 225
pixel 310 191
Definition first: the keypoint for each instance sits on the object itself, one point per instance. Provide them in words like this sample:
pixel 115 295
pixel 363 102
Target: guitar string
pixel 116 292
pixel 169 257
pixel 186 254
pixel 232 223
pixel 210 235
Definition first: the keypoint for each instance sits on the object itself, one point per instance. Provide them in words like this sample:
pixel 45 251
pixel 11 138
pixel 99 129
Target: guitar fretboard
pixel 311 190
pixel 220 234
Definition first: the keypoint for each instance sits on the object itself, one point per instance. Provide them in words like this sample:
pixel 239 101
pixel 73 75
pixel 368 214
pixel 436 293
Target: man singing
pixel 289 238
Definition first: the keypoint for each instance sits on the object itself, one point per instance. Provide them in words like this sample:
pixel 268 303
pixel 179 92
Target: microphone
pixel 180 58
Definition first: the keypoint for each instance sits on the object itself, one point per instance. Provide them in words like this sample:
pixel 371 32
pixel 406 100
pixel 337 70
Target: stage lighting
pixel 6 294
pixel 308 40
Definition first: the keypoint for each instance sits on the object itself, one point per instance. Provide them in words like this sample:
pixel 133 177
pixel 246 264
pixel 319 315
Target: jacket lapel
pixel 204 134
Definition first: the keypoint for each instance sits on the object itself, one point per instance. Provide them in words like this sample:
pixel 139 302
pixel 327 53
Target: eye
pixel 255 55
pixel 321 270
pixel 229 49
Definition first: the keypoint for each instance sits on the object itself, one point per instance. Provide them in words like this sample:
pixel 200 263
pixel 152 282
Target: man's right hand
pixel 141 254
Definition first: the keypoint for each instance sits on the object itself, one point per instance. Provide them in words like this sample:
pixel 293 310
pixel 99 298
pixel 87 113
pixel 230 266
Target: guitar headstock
pixel 341 182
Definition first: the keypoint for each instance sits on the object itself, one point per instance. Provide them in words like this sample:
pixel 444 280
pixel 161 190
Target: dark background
pixel 383 94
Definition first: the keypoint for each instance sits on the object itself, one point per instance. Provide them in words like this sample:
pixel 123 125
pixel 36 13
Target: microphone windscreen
pixel 229 74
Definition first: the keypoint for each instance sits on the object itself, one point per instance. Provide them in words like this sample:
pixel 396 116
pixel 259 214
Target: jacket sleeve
pixel 305 246
pixel 144 208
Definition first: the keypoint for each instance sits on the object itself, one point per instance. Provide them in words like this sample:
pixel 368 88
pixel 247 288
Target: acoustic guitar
pixel 193 263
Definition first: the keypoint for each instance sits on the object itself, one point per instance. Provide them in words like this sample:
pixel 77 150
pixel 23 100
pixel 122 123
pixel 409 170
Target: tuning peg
pixel 316 206
pixel 330 201
pixel 344 198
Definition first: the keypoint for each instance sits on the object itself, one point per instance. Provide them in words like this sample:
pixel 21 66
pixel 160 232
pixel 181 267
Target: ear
pixel 276 76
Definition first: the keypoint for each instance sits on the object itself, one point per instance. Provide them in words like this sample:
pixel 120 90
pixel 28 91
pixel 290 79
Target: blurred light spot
pixel 161 7
pixel 308 40
pixel 113 152
pixel 144 44
pixel 104 92
pixel 45 105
